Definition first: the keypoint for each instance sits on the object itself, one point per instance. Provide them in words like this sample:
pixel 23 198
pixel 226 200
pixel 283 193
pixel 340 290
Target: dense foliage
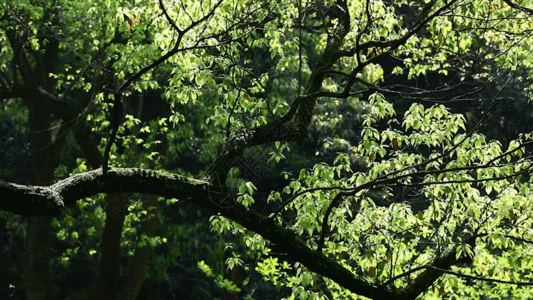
pixel 325 149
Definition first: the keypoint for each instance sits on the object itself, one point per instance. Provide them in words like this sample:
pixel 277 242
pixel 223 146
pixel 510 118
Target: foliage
pixel 293 112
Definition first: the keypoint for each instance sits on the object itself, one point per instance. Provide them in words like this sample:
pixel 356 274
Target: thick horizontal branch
pixel 30 200
pixel 49 200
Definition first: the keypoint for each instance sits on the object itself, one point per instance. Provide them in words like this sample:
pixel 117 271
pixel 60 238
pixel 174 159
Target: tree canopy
pixel 327 149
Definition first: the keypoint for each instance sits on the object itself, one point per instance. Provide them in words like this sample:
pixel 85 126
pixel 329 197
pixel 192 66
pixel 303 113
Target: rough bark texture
pixel 199 192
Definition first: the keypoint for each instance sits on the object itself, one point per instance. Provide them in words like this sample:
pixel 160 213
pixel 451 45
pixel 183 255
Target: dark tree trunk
pixel 37 269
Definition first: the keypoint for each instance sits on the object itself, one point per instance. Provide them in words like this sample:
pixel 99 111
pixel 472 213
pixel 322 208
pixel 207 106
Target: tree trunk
pixel 37 268
pixel 109 275
pixel 137 269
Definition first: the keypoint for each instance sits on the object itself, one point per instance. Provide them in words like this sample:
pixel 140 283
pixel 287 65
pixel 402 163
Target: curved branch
pixel 528 11
pixel 458 274
pixel 300 113
pixel 67 191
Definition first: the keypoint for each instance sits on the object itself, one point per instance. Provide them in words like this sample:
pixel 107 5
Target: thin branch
pixel 519 283
pixel 528 11
pixel 282 206
pixel 526 171
pixel 411 271
pixel 143 71
pixel 384 179
pixel 169 19
pixel 329 210
pixel 169 54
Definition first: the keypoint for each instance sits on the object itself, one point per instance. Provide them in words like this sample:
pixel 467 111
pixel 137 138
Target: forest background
pixel 266 149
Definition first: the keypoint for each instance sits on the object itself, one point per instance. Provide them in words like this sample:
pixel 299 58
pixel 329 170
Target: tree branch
pixel 50 200
pixel 301 110
pixel 528 11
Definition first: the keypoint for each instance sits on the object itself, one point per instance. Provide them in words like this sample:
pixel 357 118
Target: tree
pixel 417 206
